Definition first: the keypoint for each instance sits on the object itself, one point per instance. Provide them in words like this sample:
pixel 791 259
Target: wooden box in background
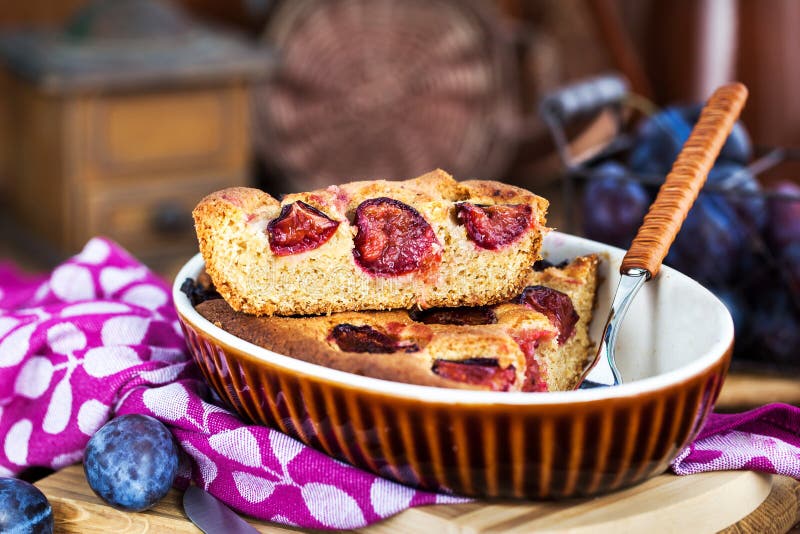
pixel 122 136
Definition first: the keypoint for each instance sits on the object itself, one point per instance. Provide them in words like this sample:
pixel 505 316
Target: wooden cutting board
pixel 739 501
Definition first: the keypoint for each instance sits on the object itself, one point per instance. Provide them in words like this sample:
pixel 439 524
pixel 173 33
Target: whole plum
pixel 658 141
pixel 737 307
pixel 775 325
pixel 613 206
pixel 738 147
pixel 661 136
pixel 748 201
pixel 790 263
pixel 710 243
pixel 131 462
pixel 23 508
pixel 783 225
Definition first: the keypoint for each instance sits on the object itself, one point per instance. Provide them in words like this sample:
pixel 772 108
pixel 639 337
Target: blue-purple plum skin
pixel 775 332
pixel 711 242
pixel 131 462
pixel 23 508
pixel 749 202
pixel 783 225
pixel 613 206
pixel 661 136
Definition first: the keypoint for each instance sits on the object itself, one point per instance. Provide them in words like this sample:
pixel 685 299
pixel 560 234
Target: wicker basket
pixel 380 88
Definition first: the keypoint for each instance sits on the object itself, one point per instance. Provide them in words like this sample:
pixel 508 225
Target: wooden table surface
pixel 733 502
pixel 730 501
pixel 743 391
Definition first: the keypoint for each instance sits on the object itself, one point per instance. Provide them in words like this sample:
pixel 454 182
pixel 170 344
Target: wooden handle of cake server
pixel 684 181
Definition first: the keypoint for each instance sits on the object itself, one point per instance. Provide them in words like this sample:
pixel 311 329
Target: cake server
pixel 663 221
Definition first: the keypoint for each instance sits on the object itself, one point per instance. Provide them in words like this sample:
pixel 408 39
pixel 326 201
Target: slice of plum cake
pixel 537 341
pixel 373 245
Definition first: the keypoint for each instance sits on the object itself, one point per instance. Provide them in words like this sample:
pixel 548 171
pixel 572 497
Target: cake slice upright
pixel 374 245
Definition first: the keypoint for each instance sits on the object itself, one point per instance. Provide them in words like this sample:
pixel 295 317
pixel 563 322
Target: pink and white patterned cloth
pixel 99 337
pixel 765 439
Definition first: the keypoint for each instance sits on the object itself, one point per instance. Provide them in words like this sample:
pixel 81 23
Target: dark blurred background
pixel 346 89
pixel 117 116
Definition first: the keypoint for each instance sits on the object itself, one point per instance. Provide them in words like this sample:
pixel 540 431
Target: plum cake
pixel 535 341
pixel 373 245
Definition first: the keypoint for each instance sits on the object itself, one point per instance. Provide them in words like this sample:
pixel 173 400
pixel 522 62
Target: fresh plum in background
pixel 661 136
pixel 658 142
pixel 775 328
pixel 790 264
pixel 742 245
pixel 613 206
pixel 783 224
pixel 748 201
pixel 738 148
pixel 711 242
pixel 737 306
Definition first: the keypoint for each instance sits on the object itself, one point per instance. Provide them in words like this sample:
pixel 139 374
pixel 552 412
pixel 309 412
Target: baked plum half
pixel 464 315
pixel 493 227
pixel 394 239
pixel 299 228
pixel 352 338
pixel 557 306
pixel 484 372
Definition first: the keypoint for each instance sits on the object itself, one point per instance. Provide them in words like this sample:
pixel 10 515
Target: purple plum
pixel 658 142
pixel 775 334
pixel 661 136
pixel 23 508
pixel 745 197
pixel 737 307
pixel 613 206
pixel 783 223
pixel 738 148
pixel 131 462
pixel 711 242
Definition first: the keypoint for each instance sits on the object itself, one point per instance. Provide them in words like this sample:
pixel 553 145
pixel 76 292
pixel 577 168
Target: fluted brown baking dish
pixel 673 351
